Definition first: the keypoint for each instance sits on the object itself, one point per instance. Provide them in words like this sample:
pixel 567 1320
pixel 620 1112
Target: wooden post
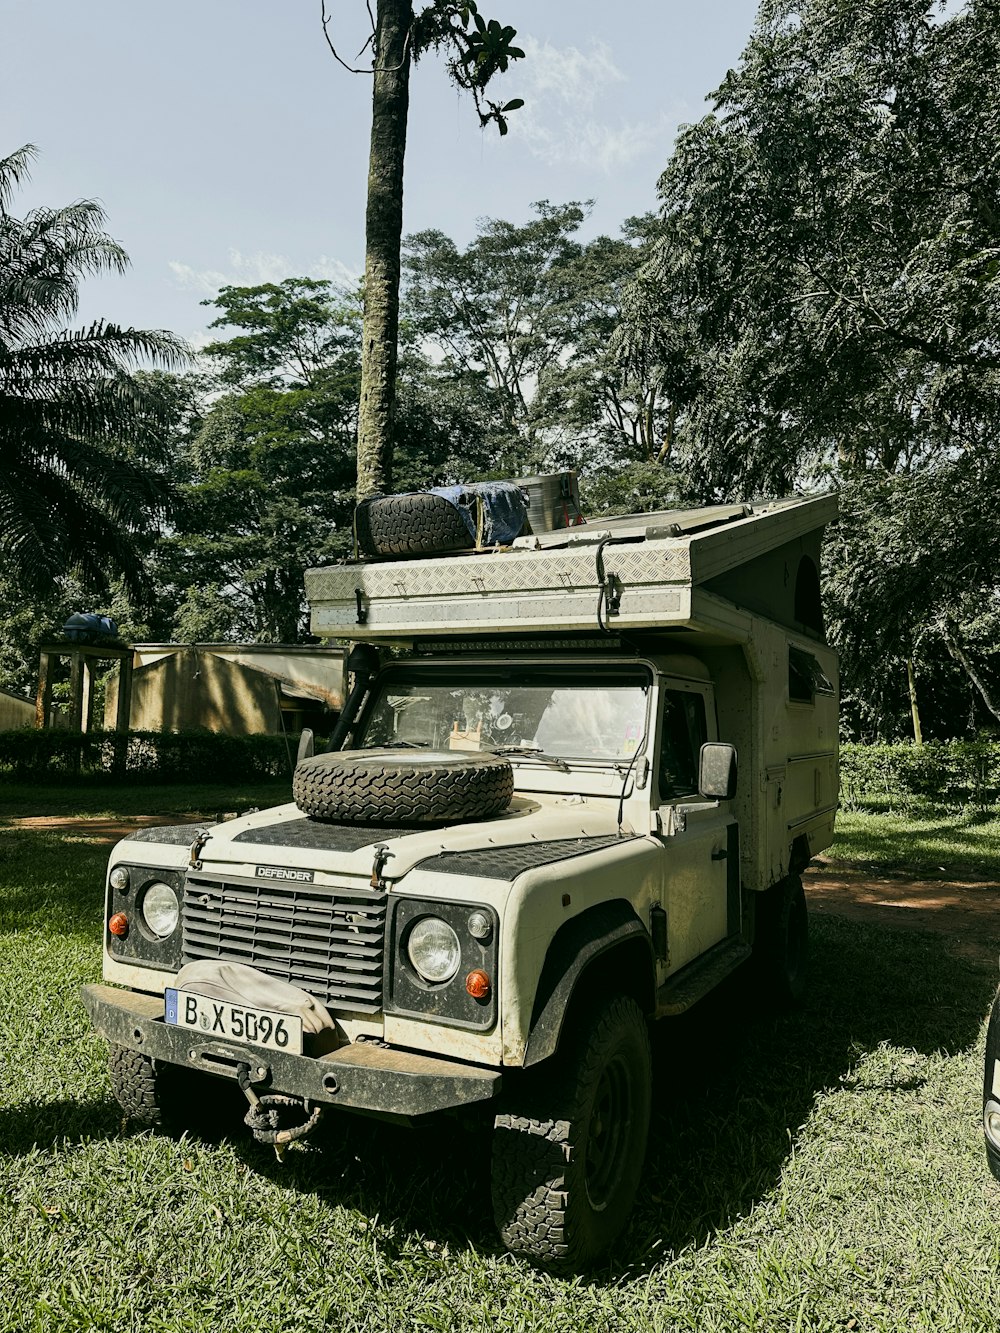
pixel 43 700
pixel 123 714
pixel 86 693
pixel 76 701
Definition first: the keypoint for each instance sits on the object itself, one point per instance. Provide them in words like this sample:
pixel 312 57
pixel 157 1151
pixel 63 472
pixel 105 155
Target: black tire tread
pixel 172 1098
pixel 351 787
pixel 774 911
pixel 412 524
pixel 136 1085
pixel 534 1148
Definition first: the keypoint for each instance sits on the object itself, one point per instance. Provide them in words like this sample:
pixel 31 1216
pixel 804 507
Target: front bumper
pixel 358 1076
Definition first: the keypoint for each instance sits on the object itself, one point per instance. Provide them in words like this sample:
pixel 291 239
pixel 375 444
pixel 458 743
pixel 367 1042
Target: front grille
pixel 328 942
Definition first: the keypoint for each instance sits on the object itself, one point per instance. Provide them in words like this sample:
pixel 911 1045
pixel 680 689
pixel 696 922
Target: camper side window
pixel 806 678
pixel 684 733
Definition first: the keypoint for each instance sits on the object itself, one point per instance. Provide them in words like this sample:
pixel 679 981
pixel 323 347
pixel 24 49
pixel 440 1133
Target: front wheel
pixel 174 1099
pixel 567 1159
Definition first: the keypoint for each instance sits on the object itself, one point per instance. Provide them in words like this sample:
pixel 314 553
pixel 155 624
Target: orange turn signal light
pixel 477 984
pixel 118 925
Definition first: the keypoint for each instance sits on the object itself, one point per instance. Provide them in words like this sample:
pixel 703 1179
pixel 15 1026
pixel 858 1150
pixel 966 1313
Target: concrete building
pixel 238 688
pixel 15 711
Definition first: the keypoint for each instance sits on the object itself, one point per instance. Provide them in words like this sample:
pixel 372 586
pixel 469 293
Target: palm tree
pixel 77 427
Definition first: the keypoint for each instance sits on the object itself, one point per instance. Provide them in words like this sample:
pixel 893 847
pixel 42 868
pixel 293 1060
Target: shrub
pixel 179 756
pixel 953 774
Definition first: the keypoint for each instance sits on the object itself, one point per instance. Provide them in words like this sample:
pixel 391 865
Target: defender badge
pixel 281 872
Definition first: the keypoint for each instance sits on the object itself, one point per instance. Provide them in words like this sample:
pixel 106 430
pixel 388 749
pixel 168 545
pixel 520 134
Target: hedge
pixel 180 756
pixel 953 774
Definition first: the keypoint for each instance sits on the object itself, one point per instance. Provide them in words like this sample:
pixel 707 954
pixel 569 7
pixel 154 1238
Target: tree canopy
pixel 830 232
pixel 80 433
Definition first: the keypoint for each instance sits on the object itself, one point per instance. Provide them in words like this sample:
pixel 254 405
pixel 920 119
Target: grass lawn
pixel 21 800
pixel 818 1171
pixel 922 841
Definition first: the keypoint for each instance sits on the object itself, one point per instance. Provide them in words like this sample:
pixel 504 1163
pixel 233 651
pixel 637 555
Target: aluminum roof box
pixel 637 572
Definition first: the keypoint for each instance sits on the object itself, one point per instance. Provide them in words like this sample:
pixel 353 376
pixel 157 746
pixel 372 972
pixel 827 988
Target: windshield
pixel 563 713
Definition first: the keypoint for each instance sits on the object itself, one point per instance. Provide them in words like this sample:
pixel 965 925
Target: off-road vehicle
pixel 529 840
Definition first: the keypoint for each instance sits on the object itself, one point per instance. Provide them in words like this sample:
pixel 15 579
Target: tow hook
pixel 269 1115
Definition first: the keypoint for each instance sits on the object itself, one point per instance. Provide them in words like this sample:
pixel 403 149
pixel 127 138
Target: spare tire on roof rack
pixel 443 519
pixel 420 786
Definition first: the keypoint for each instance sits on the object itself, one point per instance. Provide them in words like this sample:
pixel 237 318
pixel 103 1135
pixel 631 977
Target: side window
pixel 806 678
pixel 684 733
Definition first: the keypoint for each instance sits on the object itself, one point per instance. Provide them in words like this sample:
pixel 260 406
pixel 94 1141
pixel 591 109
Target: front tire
pixel 567 1160
pixel 167 1097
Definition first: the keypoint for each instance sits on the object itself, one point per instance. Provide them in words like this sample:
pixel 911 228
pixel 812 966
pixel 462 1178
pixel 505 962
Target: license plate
pixel 238 1022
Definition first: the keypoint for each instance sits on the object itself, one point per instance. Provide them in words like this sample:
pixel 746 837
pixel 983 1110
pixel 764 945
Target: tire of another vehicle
pixel 990 1101
pixel 384 786
pixel 568 1158
pixel 781 943
pixel 402 525
pixel 164 1096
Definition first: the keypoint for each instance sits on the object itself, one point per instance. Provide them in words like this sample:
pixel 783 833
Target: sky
pixel 227 146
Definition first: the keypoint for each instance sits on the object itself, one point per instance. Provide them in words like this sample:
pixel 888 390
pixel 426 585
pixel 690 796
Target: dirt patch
pixel 965 911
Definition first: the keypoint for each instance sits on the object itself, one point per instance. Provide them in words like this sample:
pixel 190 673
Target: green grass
pixel 20 800
pixel 818 1171
pixel 920 841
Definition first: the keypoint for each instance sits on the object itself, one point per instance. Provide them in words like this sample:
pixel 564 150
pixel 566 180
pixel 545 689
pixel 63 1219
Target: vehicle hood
pixel 285 838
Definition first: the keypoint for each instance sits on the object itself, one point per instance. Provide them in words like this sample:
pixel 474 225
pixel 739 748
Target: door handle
pixel 720 854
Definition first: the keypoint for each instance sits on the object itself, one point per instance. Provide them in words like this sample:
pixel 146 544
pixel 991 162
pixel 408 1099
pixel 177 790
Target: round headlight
pixel 433 949
pixel 119 879
pixel 160 909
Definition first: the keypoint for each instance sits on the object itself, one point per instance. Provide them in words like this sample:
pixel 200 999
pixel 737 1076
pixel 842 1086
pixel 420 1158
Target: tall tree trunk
pixel 383 232
pixel 911 679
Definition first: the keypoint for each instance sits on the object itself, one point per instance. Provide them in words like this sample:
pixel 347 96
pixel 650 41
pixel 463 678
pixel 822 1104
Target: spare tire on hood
pixel 418 786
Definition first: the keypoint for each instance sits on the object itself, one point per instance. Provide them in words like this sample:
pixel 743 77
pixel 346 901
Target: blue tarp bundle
pixel 493 511
pixel 88 625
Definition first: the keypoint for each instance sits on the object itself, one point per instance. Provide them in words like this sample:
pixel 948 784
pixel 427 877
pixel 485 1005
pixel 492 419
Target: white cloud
pixel 565 118
pixel 251 270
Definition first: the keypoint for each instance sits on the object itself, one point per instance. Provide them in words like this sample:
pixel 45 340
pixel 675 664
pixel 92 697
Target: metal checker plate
pixel 649 563
pixel 509 862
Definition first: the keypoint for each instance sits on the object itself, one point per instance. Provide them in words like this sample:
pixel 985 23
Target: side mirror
pixel 717 771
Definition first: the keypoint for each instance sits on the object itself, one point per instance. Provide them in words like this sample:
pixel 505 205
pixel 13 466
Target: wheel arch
pixel 603 949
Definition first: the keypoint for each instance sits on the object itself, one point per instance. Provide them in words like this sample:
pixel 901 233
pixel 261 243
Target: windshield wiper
pixel 533 752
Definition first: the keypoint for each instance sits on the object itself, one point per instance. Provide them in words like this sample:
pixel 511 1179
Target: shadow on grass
pixel 733 1086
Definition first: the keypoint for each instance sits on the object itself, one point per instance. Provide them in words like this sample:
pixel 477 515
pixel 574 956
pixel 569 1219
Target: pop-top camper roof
pixel 676 570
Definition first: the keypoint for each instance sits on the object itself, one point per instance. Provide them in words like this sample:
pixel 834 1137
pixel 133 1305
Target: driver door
pixel 700 848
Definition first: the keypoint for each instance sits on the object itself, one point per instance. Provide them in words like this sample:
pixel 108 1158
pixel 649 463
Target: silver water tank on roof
pixel 553 501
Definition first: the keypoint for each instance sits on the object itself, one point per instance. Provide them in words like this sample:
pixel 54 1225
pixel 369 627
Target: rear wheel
pixel 567 1158
pixel 781 942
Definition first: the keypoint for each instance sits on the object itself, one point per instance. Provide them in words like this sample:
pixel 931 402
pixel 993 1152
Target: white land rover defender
pixel 527 840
